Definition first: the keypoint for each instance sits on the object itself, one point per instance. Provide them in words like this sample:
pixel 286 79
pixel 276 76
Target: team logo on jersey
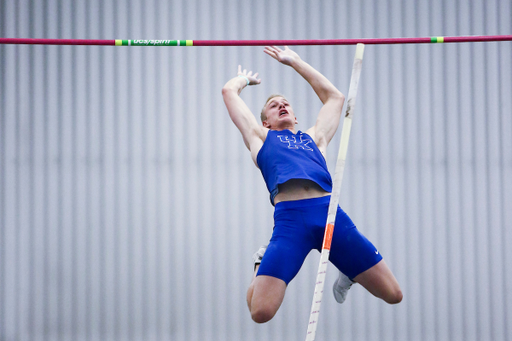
pixel 293 143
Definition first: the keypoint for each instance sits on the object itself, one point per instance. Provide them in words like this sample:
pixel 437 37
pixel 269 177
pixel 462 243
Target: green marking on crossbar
pixel 437 39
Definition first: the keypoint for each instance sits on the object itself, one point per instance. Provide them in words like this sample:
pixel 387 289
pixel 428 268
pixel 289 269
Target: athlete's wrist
pixel 245 78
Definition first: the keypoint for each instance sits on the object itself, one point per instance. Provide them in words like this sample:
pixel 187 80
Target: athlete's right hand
pixel 253 79
pixel 286 56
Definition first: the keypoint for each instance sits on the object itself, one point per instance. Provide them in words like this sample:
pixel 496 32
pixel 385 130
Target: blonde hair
pixel 263 116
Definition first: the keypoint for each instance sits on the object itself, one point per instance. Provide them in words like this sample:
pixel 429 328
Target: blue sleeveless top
pixel 285 156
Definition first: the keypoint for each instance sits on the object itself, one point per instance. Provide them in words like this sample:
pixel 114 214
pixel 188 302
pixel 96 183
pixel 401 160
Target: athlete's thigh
pixel 268 293
pixel 284 255
pixel 351 252
pixel 380 281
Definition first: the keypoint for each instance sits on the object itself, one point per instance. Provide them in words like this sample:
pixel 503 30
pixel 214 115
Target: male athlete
pixel 294 168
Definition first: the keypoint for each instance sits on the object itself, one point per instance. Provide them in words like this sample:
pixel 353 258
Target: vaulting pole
pixel 335 195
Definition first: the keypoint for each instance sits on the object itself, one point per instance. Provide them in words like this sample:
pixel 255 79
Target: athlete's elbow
pixel 227 91
pixel 338 96
pixel 335 97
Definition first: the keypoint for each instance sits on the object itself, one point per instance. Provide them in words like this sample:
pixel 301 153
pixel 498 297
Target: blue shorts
pixel 299 228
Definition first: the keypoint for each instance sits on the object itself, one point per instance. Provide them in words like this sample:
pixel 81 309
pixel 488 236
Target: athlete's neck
pixel 292 129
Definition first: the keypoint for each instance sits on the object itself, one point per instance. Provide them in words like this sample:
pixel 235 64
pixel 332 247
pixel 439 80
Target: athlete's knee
pixel 394 297
pixel 262 314
pixel 267 296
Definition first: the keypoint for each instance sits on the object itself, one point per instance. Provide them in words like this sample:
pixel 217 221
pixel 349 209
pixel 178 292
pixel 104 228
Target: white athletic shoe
pixel 258 256
pixel 341 286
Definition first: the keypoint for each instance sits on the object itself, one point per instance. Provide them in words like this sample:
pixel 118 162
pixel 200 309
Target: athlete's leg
pixel 289 246
pixel 354 255
pixel 264 297
pixel 380 281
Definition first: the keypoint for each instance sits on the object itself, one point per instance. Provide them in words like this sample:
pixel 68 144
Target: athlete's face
pixel 279 114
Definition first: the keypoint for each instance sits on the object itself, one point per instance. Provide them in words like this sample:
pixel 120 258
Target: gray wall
pixel 130 209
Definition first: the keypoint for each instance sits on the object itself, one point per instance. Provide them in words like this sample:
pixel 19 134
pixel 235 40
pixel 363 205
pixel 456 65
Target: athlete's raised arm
pixel 252 133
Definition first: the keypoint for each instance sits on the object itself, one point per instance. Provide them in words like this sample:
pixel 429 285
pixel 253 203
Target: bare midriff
pixel 298 189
